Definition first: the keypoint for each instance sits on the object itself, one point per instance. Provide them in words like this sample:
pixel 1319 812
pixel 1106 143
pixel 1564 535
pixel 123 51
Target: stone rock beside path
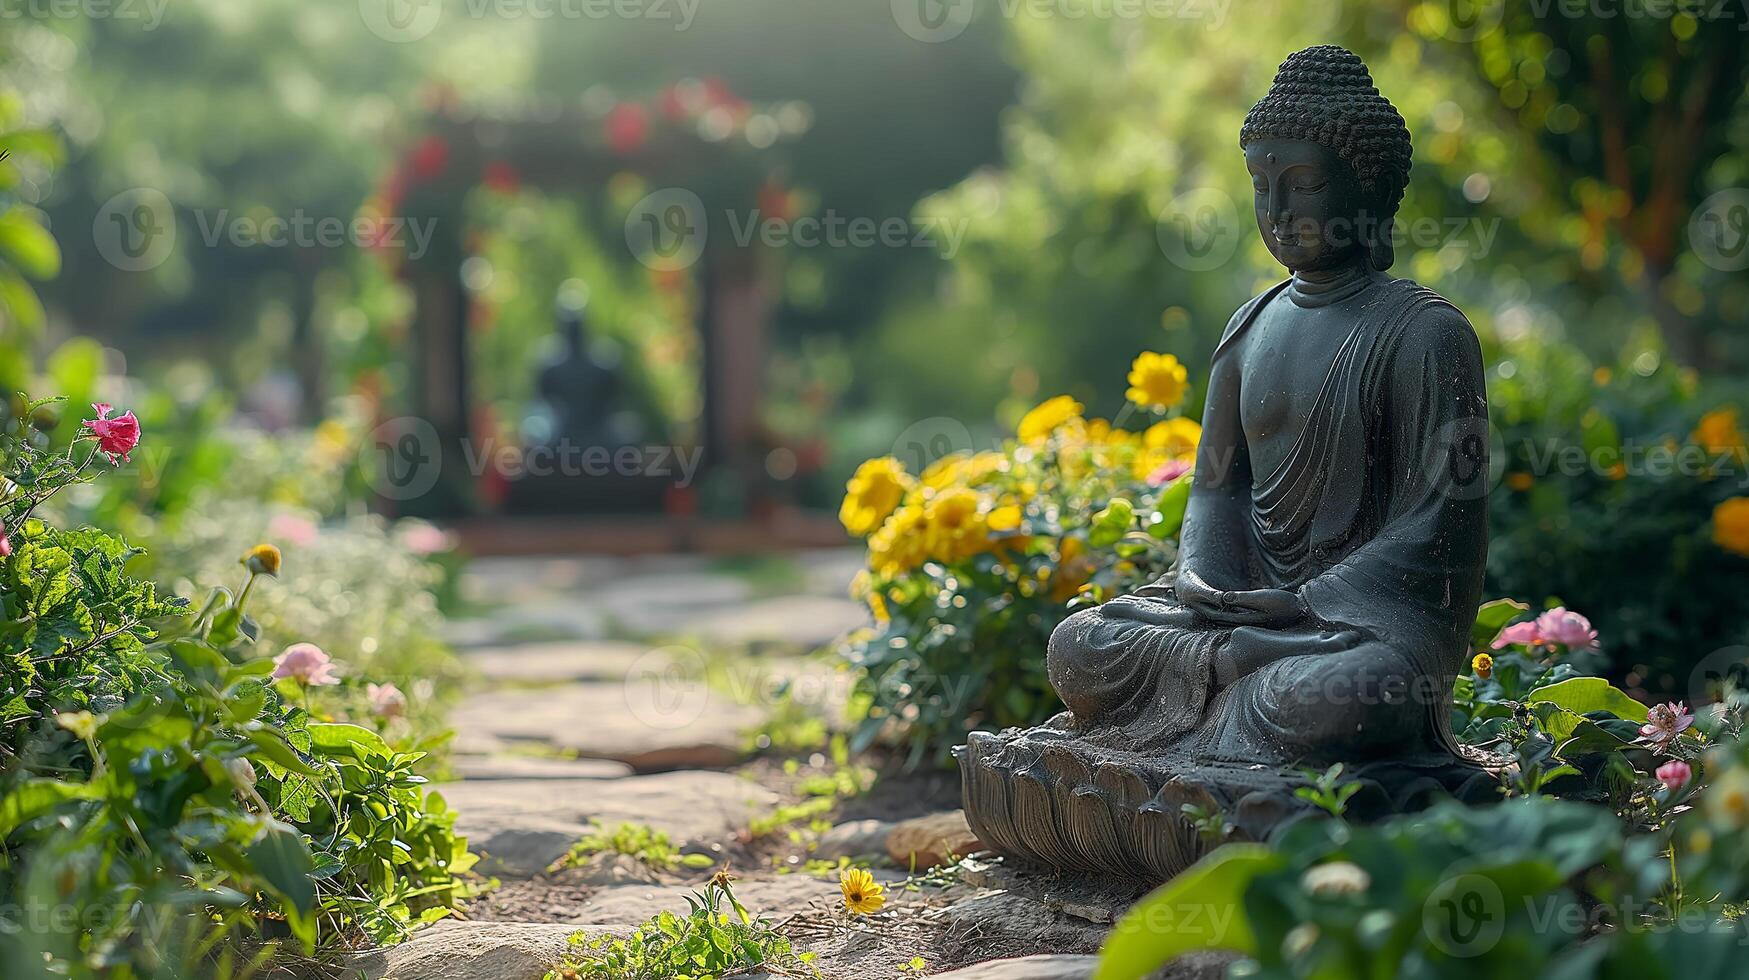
pixel 509 765
pixel 857 838
pixel 932 841
pixel 556 662
pixel 469 951
pixel 524 825
pixel 1049 967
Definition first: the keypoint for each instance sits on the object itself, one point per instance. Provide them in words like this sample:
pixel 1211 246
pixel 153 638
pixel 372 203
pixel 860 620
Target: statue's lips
pixel 1281 239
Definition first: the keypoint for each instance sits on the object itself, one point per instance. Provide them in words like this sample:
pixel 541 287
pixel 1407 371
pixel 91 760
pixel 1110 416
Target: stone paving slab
pixel 508 765
pixel 804 622
pixel 524 825
pixel 542 663
pixel 468 951
pixel 652 723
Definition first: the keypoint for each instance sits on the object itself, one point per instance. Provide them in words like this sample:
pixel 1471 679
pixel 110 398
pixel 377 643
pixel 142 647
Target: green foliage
pixel 634 840
pixel 162 798
pixel 1516 889
pixel 717 937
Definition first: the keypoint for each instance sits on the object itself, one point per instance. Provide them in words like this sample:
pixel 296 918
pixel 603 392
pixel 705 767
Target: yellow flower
pixel 1483 665
pixel 961 468
pixel 1157 380
pixel 1731 525
pixel 1727 800
pixel 898 546
pixel 1004 518
pixel 1039 423
pixel 1520 481
pixel 954 525
pixel 862 587
pixel 1718 431
pixel 1175 437
pixel 872 494
pixel 263 559
pixel 862 894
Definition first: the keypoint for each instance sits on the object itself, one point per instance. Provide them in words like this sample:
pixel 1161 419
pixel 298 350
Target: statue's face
pixel 1311 209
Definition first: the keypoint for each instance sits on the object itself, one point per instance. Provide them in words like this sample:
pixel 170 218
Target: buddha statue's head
pixel 1329 158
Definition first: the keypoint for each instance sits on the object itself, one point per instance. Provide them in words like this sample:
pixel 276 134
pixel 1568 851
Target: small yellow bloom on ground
pixel 1483 665
pixel 873 493
pixel 1731 525
pixel 862 894
pixel 1157 380
pixel 1039 423
pixel 263 559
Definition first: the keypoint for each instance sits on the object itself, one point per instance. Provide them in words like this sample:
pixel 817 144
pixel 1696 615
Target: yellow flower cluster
pixel 1051 414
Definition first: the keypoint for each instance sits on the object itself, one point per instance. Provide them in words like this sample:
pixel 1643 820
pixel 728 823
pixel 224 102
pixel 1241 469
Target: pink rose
pixel 386 700
pixel 1674 774
pixel 5 543
pixel 1563 627
pixel 1168 471
pixel 1518 634
pixel 306 664
pixel 115 437
pixel 422 539
pixel 1664 722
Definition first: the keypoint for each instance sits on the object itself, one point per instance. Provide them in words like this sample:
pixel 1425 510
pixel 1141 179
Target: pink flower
pixel 306 664
pixel 1518 634
pixel 5 543
pixel 115 437
pixel 1664 722
pixel 386 700
pixel 1168 471
pixel 1562 627
pixel 424 539
pixel 292 529
pixel 1674 774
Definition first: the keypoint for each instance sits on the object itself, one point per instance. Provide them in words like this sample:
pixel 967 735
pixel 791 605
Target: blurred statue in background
pixel 583 394
pixel 1332 556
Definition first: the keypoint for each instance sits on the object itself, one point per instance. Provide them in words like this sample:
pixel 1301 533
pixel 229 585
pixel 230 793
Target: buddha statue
pixel 1331 560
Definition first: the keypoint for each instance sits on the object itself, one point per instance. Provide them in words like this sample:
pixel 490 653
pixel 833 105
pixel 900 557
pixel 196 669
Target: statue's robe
pixel 1376 517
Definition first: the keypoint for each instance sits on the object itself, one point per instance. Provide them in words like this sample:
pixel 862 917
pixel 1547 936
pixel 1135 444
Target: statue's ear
pixel 1381 254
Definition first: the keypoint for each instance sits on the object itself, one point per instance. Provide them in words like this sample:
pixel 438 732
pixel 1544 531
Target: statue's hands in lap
pixel 1270 608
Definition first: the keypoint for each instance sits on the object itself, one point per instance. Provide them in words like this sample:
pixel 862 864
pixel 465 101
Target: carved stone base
pixel 1044 796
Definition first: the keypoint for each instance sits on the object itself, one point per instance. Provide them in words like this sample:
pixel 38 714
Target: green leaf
pixel 28 245
pixel 282 859
pixel 347 740
pixel 36 797
pixel 1582 695
pixel 1492 618
pixel 1169 509
pixel 1156 930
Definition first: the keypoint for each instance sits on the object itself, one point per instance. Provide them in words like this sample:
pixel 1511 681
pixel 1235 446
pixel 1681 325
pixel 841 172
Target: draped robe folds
pixel 1376 517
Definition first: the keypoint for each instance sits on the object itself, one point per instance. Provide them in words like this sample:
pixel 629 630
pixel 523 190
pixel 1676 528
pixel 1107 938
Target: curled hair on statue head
pixel 1325 95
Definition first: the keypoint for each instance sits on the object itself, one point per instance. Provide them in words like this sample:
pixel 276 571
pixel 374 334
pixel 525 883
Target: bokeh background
pixel 388 256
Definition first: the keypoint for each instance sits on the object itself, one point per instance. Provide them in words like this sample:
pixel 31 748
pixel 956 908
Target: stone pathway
pixel 629 691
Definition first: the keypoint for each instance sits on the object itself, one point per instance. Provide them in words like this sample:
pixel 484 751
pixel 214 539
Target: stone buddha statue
pixel 1332 555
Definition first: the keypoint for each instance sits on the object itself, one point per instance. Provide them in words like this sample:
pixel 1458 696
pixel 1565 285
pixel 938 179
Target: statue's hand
pixel 1247 607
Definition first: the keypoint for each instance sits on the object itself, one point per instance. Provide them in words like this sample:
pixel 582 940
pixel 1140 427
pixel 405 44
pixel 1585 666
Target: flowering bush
pixel 1623 492
pixel 168 799
pixel 974 561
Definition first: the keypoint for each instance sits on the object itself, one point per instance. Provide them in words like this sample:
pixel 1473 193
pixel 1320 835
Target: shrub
pixel 973 562
pixel 164 804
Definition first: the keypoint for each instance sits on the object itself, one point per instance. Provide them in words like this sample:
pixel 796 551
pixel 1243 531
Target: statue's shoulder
pixel 1422 307
pixel 1246 313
